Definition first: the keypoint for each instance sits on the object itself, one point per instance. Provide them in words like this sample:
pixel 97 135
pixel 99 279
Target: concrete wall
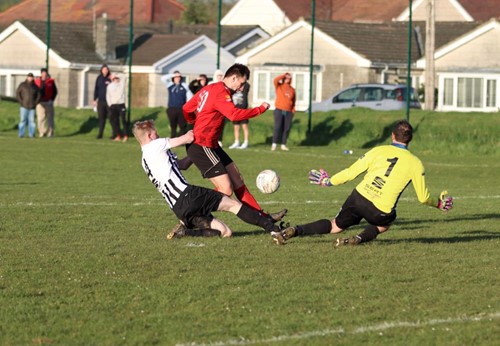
pixel 483 52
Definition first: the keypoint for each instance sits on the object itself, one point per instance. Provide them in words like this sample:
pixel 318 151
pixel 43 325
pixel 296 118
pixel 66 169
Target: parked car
pixel 385 97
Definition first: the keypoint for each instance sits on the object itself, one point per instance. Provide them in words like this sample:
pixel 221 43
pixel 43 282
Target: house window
pixel 448 92
pixel 3 85
pixel 470 92
pixel 264 88
pixel 491 93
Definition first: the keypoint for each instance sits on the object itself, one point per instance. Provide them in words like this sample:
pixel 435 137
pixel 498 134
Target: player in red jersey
pixel 207 110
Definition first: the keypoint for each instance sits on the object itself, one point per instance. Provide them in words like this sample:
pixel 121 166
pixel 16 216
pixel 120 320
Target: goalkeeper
pixel 388 170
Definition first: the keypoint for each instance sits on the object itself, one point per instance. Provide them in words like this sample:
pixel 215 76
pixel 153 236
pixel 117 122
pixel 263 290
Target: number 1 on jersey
pixel 391 166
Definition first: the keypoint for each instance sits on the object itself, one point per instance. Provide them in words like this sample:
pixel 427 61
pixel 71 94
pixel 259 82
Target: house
pixel 347 53
pixel 86 11
pixel 454 10
pixel 190 54
pixel 274 15
pixel 279 14
pixel 468 70
pixel 75 57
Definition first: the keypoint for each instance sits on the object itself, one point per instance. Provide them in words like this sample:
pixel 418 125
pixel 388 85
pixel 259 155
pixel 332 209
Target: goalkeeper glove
pixel 320 177
pixel 445 202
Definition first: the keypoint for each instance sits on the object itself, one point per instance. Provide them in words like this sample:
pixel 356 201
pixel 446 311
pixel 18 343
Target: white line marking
pixel 129 201
pixel 359 330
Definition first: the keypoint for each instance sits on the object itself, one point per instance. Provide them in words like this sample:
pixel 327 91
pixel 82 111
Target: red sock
pixel 247 198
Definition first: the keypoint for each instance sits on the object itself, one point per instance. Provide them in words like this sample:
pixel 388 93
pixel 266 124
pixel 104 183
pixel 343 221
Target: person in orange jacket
pixel 284 111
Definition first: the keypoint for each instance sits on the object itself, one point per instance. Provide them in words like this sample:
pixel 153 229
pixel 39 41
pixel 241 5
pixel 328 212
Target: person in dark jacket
pixel 45 109
pixel 197 84
pixel 101 84
pixel 178 95
pixel 29 96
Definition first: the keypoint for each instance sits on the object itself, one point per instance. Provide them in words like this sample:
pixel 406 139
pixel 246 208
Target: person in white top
pixel 115 98
pixel 193 205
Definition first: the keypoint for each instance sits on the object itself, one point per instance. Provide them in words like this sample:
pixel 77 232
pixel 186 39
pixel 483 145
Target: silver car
pixel 385 97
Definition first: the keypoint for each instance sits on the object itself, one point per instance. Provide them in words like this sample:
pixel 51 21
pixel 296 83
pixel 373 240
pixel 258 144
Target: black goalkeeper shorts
pixel 356 207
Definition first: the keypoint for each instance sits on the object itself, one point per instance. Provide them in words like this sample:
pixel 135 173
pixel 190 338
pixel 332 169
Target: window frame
pixel 468 92
pixel 266 93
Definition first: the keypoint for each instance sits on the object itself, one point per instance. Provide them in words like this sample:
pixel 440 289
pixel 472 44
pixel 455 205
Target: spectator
pixel 178 94
pixel 198 83
pixel 285 108
pixel 28 95
pixel 101 84
pixel 45 109
pixel 115 98
pixel 240 100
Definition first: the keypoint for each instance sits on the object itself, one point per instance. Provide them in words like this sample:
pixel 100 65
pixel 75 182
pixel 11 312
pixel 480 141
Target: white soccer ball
pixel 268 181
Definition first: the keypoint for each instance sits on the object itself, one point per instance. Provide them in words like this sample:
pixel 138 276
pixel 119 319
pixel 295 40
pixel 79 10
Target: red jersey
pixel 207 110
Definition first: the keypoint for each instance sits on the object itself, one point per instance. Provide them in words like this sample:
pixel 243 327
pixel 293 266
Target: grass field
pixel 84 259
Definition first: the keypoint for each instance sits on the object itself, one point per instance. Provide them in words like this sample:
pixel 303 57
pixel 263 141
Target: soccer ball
pixel 268 181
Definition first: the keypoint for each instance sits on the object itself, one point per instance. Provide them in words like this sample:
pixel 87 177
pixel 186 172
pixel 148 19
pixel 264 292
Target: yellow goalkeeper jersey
pixel 389 169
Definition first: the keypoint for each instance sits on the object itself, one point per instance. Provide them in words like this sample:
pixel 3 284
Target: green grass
pixel 84 259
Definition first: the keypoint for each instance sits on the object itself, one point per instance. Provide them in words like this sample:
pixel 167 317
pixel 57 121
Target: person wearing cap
pixel 115 98
pixel 45 109
pixel 28 95
pixel 178 95
pixel 101 84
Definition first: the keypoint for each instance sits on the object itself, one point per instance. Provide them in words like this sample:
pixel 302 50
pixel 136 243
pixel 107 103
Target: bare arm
pixel 186 138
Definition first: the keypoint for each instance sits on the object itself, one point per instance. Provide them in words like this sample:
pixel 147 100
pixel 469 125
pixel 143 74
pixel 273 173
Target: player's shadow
pixel 420 222
pixel 466 237
pixel 325 132
pixel 237 233
pixel 152 116
pixel 386 134
pixel 92 122
pixel 86 127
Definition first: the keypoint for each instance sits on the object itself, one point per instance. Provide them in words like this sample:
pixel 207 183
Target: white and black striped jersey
pixel 160 164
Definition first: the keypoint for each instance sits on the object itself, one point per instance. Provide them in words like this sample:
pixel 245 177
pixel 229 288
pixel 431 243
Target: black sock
pixel 369 233
pixel 317 227
pixel 209 232
pixel 255 217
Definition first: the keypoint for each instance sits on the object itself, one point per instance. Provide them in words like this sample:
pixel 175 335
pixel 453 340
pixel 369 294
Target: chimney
pixel 150 11
pixel 105 37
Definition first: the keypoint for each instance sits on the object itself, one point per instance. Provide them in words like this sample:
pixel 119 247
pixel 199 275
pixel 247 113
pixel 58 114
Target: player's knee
pixel 227 190
pixel 382 229
pixel 335 228
pixel 226 233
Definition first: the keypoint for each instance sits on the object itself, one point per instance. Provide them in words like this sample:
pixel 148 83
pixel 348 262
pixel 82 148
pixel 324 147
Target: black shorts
pixel 240 122
pixel 195 206
pixel 357 207
pixel 211 162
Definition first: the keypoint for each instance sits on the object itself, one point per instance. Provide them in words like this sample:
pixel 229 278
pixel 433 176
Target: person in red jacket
pixel 45 109
pixel 285 108
pixel 207 110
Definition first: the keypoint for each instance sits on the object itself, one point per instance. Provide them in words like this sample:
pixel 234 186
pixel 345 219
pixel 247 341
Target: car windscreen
pixel 349 95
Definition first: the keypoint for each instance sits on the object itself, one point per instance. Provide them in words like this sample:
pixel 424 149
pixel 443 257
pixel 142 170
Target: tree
pixel 204 11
